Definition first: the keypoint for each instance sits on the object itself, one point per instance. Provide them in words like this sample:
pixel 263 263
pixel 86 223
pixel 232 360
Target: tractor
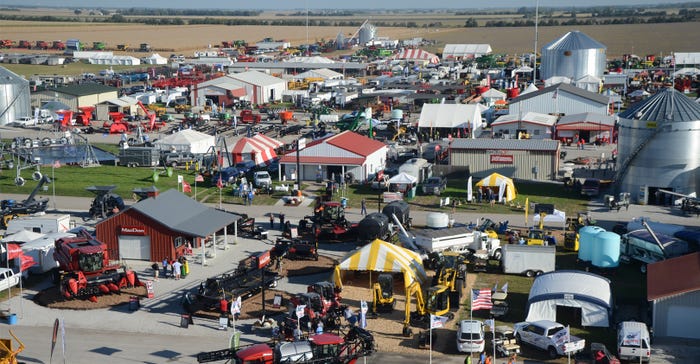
pixel 105 203
pixel 328 220
pixel 85 270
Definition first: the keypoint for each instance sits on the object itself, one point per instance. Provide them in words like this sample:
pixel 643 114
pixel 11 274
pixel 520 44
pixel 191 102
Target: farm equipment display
pixel 623 200
pixel 383 299
pixel 85 270
pixel 249 278
pixel 12 209
pixel 247 228
pixel 328 220
pixel 295 249
pixel 247 117
pixel 105 202
pixel 321 348
pixel 8 355
pixel 58 45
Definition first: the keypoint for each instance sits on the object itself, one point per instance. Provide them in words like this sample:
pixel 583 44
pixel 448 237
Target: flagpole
pixel 53 184
pixel 431 342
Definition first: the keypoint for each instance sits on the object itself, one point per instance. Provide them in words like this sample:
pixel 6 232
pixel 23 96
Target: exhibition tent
pixel 417 55
pixel 187 140
pixel 453 116
pixel 588 292
pixel 259 148
pixel 498 181
pixel 381 256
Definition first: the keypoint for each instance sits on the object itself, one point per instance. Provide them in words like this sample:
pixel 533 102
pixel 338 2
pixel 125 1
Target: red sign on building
pixel 133 230
pixel 502 158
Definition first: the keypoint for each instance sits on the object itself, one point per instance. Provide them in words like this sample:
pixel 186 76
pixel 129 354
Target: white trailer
pixel 528 260
pixel 459 239
pixel 41 250
pixel 46 223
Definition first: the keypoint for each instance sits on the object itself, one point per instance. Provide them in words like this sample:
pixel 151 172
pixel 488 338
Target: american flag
pixel 481 299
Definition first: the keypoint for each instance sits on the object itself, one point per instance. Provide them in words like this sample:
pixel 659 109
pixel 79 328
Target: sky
pixel 326 4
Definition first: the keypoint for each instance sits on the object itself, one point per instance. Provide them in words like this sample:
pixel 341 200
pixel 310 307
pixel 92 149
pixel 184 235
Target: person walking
pixel 165 267
pixel 156 269
pixel 488 360
pixel 281 215
pixel 468 359
pixel 363 207
pixel 176 269
pixel 482 357
pixel 272 221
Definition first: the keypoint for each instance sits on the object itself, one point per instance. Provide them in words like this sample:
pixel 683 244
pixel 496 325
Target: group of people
pixel 487 359
pixel 171 268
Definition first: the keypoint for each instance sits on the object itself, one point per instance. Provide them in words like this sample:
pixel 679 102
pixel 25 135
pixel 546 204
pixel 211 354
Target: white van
pixel 633 341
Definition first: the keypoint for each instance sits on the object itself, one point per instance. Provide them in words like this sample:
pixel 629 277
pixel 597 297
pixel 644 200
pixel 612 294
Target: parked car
pixel 25 121
pixel 178 159
pixel 434 185
pixel 8 278
pixel 470 336
pixel 262 178
pixel 548 336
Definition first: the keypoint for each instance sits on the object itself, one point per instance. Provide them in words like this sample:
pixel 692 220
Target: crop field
pixel 640 39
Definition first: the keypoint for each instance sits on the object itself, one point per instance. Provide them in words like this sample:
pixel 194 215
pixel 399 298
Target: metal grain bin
pixel 574 55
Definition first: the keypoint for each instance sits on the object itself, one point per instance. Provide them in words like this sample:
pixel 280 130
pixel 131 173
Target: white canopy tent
pixel 453 116
pixel 187 140
pixel 576 289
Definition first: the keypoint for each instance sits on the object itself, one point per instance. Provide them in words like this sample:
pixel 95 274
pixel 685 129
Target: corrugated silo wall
pixel 524 162
pixel 14 102
pixel 671 160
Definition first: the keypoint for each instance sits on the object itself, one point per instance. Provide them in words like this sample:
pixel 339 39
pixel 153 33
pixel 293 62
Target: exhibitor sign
pixel 133 230
pixel 501 158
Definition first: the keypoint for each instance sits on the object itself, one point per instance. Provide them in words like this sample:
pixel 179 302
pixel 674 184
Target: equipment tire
pixel 529 274
pixel 497 255
pixel 552 351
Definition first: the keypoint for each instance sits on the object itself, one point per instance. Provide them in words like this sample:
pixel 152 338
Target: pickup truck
pixel 8 278
pixel 550 336
pixel 434 186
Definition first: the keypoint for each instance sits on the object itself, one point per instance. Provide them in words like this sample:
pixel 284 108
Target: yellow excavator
pixel 383 294
pixel 7 354
pixel 437 303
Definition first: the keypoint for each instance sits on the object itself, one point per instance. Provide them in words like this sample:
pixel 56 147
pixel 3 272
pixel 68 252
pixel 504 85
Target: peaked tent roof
pixel 198 141
pixel 381 256
pixel 417 55
pixel 403 178
pixel 465 50
pixel 450 116
pixel 181 213
pixel 496 180
pixel 662 105
pixel 530 88
pixel 261 148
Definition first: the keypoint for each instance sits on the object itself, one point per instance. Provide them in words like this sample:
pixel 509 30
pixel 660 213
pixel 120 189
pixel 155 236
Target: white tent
pixel 403 178
pixel 453 116
pixel 155 58
pixel 558 218
pixel 187 140
pixel 588 292
pixel 687 71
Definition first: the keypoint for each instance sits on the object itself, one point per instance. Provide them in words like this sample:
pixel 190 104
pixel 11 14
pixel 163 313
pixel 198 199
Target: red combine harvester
pixel 58 45
pixel 42 44
pixel 85 115
pixel 85 270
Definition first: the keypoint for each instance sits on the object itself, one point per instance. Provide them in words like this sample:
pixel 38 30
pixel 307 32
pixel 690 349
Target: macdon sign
pixel 502 158
pixel 133 230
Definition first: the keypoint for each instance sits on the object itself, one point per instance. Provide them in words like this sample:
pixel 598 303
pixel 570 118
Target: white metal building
pixel 261 87
pixel 560 99
pixel 535 125
pixel 14 97
pixel 675 302
pixel 340 154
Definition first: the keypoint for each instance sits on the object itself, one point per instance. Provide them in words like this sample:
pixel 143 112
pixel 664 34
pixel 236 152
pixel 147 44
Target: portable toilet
pixel 586 242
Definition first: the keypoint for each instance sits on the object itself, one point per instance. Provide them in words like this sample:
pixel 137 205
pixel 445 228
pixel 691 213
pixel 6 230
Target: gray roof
pixel 587 117
pixel 668 104
pixel 8 77
pixel 574 40
pixel 565 87
pixel 505 144
pixel 181 213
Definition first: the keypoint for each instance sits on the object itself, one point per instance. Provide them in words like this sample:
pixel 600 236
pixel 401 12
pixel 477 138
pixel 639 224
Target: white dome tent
pixel 587 291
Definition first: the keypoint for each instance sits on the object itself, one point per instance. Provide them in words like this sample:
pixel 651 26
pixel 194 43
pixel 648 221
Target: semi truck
pixel 139 157
pixel 459 239
pixel 528 260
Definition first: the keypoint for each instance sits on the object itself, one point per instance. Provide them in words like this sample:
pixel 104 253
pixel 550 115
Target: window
pixel 179 241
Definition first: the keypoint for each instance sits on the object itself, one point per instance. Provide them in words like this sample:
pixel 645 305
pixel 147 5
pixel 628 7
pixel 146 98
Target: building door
pixel 135 247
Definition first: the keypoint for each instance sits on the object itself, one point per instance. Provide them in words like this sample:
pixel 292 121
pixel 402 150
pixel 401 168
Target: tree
pixel 78 12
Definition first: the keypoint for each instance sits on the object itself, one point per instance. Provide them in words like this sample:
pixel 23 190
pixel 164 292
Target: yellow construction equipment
pixel 7 354
pixel 438 303
pixel 383 294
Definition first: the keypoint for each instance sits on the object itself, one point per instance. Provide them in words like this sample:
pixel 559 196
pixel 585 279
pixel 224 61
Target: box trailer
pixel 44 224
pixel 528 260
pixel 139 157
pixel 41 250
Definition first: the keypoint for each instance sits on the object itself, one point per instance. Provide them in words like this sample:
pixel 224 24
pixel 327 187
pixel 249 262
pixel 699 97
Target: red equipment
pixel 85 268
pixel 248 117
pixel 58 45
pixel 6 43
pixel 118 125
pixel 151 126
pixel 85 115
pixel 66 117
pixel 24 44
pixel 42 44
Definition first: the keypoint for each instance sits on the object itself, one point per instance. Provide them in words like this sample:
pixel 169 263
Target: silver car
pixel 470 336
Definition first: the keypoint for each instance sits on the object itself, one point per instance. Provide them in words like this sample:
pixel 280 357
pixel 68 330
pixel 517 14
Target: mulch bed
pixel 52 298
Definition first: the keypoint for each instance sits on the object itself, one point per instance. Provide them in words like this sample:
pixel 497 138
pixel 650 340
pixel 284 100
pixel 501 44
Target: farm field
pixel 640 39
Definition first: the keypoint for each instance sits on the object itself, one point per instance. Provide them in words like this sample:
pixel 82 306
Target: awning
pixel 382 256
pixel 500 181
pixel 258 148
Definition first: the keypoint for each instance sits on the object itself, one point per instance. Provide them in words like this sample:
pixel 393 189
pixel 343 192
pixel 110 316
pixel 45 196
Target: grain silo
pixel 658 147
pixel 14 97
pixel 574 55
pixel 367 33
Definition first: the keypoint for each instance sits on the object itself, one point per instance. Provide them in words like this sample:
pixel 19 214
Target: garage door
pixel 135 247
pixel 683 321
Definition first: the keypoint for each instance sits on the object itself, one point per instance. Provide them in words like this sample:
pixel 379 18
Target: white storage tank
pixel 437 220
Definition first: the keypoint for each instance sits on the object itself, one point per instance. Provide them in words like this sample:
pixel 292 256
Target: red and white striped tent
pixel 259 148
pixel 417 55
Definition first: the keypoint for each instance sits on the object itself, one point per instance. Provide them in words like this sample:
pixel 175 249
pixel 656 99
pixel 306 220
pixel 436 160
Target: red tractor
pixel 85 269
pixel 58 45
pixel 328 221
pixel 247 117
pixel 42 44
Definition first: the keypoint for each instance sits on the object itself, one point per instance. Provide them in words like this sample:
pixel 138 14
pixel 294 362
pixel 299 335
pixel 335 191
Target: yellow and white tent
pixel 499 181
pixel 382 256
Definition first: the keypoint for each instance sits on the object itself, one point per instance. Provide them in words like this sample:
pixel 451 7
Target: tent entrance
pixel 569 316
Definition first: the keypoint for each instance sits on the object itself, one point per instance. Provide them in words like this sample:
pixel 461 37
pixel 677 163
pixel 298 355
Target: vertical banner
pixel 363 314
